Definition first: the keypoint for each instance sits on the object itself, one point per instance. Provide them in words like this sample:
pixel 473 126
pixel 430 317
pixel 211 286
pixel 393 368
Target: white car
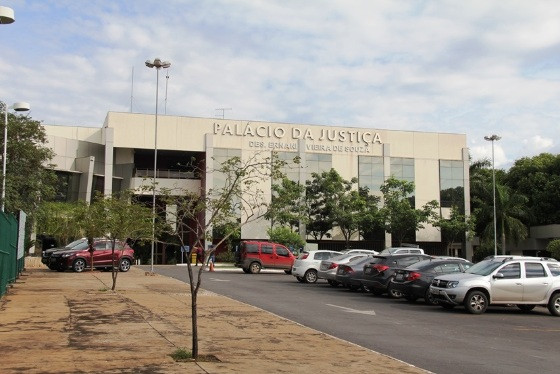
pixel 307 264
pixel 327 269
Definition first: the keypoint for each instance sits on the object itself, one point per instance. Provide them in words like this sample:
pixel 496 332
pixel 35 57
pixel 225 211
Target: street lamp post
pixel 6 15
pixel 157 64
pixel 18 107
pixel 493 138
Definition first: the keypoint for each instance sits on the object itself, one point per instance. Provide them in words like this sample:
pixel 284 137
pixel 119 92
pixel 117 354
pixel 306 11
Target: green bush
pixel 226 256
pixel 554 248
pixel 287 237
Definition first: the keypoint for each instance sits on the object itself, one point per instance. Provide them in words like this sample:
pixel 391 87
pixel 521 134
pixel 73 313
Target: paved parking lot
pixel 501 340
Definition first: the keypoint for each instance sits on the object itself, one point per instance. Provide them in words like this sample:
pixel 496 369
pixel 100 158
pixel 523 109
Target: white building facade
pixel 120 155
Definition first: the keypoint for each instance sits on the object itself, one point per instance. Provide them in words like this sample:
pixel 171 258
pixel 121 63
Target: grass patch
pixel 181 354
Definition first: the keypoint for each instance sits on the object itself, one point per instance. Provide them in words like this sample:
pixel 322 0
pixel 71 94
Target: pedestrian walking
pixel 199 256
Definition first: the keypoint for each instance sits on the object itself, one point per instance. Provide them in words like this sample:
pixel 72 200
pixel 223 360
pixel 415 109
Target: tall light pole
pixel 18 107
pixel 493 138
pixel 158 64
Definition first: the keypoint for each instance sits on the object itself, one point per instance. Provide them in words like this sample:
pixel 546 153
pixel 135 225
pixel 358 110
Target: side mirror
pixel 498 276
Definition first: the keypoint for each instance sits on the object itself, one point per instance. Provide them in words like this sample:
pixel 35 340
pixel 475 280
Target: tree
pixel 510 210
pixel 538 178
pixel 285 236
pixel 333 199
pixel 58 219
pixel 27 180
pixel 370 223
pixel 554 248
pixel 123 219
pixel 400 218
pixel 456 228
pixel 237 198
pixel 287 206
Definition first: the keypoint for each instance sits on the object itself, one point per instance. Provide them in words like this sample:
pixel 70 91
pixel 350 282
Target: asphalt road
pixel 503 340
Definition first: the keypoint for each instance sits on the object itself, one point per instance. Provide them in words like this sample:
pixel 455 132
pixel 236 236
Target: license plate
pixel 399 277
pixel 367 271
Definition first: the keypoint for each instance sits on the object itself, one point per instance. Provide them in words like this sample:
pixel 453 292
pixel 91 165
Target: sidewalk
pixel 68 322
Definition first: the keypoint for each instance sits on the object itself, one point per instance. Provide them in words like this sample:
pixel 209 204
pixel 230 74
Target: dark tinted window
pixel 281 251
pixel 252 248
pixel 534 270
pixel 511 271
pixel 407 260
pixel 266 248
pixel 554 269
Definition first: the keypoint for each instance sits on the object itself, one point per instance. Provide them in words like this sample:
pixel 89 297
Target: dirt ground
pixel 68 322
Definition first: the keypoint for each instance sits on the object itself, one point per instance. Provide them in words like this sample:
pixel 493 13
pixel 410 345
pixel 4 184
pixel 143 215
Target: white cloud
pixel 476 67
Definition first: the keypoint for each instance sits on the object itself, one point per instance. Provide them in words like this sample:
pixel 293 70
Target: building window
pixel 221 155
pixel 451 182
pixel 402 168
pixel 318 163
pixel 68 186
pixel 290 169
pixel 370 173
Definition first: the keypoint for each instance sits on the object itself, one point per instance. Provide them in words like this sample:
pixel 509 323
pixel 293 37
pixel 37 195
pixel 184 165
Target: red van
pixel 256 255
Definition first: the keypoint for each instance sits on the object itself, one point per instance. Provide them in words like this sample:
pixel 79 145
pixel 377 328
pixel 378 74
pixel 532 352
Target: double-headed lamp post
pixel 158 64
pixel 18 107
pixel 493 138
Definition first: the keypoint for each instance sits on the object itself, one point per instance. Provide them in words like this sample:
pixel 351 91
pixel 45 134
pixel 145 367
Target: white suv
pixel 524 281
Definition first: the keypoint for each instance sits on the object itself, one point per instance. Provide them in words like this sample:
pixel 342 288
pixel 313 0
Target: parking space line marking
pixel 350 310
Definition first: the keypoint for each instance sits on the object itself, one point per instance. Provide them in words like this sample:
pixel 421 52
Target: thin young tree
pixel 238 197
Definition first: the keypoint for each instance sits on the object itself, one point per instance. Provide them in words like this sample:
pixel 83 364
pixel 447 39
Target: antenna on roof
pixel 223 111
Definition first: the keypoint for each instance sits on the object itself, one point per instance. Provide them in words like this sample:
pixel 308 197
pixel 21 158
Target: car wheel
pixel 366 288
pixel 79 265
pixel 554 305
pixel 255 268
pixel 311 276
pixel 353 287
pixel 526 307
pixel 333 283
pixel 246 271
pixel 124 265
pixel 476 302
pixel 301 279
pixel 52 267
pixel 288 271
pixel 430 300
pixel 394 294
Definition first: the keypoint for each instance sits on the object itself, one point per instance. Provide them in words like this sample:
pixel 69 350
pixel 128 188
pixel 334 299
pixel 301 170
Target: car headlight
pixel 452 284
pixel 67 255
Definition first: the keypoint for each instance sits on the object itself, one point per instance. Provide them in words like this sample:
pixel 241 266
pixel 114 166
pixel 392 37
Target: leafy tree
pixel 456 227
pixel 58 220
pixel 284 235
pixel 238 198
pixel 123 219
pixel 333 198
pixel 538 178
pixel 510 210
pixel 89 220
pixel 400 218
pixel 554 248
pixel 27 180
pixel 370 223
pixel 287 206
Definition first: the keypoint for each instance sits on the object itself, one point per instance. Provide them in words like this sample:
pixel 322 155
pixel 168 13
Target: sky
pixel 477 67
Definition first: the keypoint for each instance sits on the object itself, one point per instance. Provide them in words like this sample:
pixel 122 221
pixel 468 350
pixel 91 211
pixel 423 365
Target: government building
pixel 120 155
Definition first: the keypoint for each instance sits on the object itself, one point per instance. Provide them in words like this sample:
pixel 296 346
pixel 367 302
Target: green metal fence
pixel 10 265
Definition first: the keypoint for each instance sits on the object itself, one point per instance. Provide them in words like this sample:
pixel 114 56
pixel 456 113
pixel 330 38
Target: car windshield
pixel 342 257
pixel 483 267
pixel 74 243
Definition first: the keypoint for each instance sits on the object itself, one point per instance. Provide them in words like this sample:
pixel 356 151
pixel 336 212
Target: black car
pixel 348 275
pixel 47 253
pixel 413 282
pixel 379 271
